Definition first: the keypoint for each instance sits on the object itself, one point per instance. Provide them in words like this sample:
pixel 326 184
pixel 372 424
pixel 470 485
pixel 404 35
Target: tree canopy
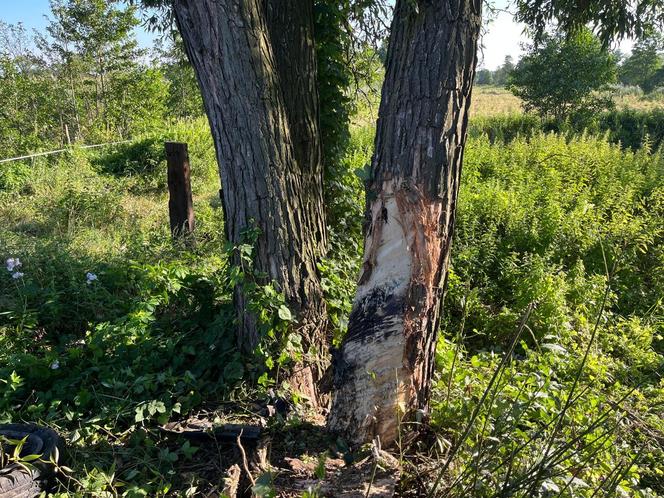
pixel 643 66
pixel 610 19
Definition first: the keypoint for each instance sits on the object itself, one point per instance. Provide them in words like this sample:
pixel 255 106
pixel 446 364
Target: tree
pixel 608 19
pixel 29 98
pixel 92 46
pixel 256 66
pixel 244 52
pixel 655 81
pixel 384 368
pixel 641 67
pixel 484 77
pixel 136 101
pixel 80 82
pixel 184 97
pixel 295 57
pixel 502 74
pixel 560 77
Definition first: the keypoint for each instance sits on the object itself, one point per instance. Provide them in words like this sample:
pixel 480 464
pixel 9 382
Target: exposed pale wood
pixel 232 481
pixel 384 367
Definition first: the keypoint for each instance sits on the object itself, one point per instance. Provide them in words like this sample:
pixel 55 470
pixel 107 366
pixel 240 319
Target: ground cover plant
pixel 109 330
pixel 297 333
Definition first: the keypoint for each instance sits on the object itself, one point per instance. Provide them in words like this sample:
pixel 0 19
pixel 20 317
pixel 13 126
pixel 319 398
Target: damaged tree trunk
pixel 384 367
pixel 264 122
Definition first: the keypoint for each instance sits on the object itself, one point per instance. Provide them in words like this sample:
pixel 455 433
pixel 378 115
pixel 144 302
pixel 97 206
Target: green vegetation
pixel 499 77
pixel 645 65
pixel 549 366
pixel 575 227
pixel 561 77
pixel 109 360
pixel 630 128
pixel 86 81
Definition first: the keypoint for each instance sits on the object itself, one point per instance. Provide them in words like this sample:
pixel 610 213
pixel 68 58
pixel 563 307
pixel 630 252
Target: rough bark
pixel 384 368
pixel 266 174
pixel 291 27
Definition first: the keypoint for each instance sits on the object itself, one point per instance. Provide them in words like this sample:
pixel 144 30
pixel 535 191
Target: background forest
pixel 549 367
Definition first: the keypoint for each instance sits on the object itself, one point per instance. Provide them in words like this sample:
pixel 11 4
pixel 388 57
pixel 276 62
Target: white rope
pixel 60 150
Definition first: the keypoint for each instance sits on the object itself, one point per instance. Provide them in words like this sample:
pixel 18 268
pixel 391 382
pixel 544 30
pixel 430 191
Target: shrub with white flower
pixel 55 365
pixel 13 264
pixel 90 277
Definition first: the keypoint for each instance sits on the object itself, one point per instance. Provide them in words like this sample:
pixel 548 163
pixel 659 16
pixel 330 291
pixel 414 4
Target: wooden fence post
pixel 180 203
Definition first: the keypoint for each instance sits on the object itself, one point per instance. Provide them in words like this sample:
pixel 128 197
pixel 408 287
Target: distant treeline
pixel 642 68
pixel 499 77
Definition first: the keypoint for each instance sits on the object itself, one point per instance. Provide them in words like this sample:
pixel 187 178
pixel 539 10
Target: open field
pixel 491 101
pixel 212 285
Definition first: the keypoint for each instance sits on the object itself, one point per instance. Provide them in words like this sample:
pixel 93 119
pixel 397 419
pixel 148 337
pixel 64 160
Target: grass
pixel 640 103
pixel 493 101
pixel 490 101
pixel 548 379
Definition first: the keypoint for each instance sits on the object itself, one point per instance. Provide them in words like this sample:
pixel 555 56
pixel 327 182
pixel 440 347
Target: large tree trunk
pixel 261 101
pixel 291 27
pixel 384 367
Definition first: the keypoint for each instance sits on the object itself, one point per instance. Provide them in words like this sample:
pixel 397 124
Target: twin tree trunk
pixel 384 368
pixel 255 62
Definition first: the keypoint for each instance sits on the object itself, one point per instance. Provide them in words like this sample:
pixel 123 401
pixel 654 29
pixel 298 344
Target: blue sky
pixel 32 13
pixel 504 36
pixel 29 12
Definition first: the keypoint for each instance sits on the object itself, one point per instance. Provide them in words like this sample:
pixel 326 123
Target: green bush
pixel 560 77
pixel 634 128
pixel 142 163
pixel 143 160
pixel 535 212
pixel 14 176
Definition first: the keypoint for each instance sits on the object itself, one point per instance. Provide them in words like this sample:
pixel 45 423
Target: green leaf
pixel 264 487
pixel 233 371
pixel 285 314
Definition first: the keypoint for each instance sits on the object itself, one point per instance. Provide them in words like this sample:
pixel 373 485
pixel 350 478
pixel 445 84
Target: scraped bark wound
pixel 269 161
pixel 384 368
